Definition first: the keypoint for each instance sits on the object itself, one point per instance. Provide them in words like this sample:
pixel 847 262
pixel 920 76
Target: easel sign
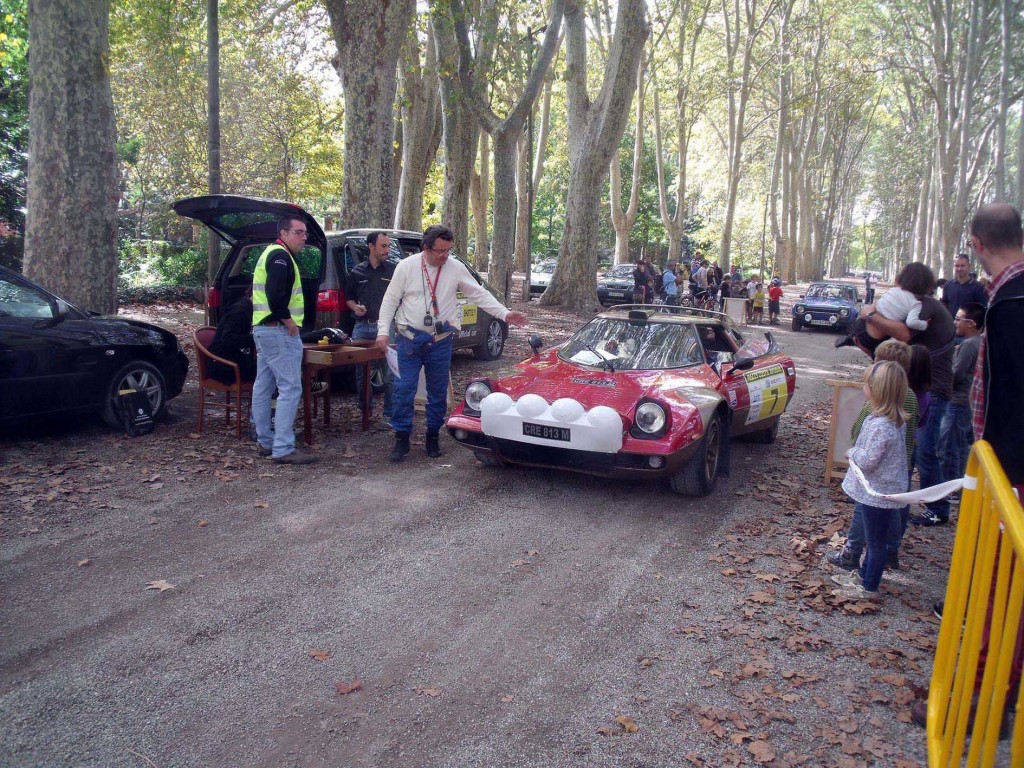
pixel 847 401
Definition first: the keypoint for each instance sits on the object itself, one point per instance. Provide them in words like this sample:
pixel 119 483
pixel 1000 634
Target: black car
pixel 57 359
pixel 616 285
pixel 248 224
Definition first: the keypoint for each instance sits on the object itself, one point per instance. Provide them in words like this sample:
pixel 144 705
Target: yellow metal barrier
pixel 983 605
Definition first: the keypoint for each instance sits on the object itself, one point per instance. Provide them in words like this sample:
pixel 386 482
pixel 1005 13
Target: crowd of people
pixel 927 403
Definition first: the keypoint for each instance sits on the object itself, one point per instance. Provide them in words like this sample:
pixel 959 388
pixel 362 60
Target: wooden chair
pixel 202 338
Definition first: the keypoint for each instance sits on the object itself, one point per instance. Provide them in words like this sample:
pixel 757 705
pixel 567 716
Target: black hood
pixel 235 218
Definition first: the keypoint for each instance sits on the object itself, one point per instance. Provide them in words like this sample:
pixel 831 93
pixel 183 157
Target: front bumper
pixel 821 318
pixel 614 294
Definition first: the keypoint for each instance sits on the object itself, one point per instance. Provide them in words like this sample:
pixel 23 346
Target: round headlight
pixel 475 394
pixel 650 418
pixel 844 313
pixel 799 309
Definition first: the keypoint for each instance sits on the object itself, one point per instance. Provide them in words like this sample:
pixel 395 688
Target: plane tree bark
pixel 595 129
pixel 369 35
pixel 71 226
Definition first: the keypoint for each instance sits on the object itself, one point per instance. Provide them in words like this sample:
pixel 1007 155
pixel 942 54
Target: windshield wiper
pixel 604 361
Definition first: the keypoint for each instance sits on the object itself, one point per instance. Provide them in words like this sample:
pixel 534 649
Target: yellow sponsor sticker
pixel 468 314
pixel 768 393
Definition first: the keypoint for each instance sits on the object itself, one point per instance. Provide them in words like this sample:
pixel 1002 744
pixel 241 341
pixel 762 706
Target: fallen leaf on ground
pixel 349 453
pixel 261 505
pixel 86 561
pixel 607 730
pixel 628 723
pixel 160 584
pixel 507 698
pixel 762 751
pixel 319 655
pixel 346 688
pixel 203 523
pixel 432 692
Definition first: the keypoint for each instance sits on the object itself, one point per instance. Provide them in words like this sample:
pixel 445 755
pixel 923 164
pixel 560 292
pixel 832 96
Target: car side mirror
pixel 536 342
pixel 60 313
pixel 743 364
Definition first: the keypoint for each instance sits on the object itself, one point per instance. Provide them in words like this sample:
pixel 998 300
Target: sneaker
pixel 848 579
pixel 433 445
pixel 295 457
pixel 929 519
pixel 937 609
pixel 842 558
pixel 856 592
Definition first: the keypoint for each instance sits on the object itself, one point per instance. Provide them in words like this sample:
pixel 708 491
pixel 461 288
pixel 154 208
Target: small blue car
pixel 827 305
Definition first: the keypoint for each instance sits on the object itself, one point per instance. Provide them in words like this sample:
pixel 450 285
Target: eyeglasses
pixel 441 251
pixel 963 320
pixel 301 232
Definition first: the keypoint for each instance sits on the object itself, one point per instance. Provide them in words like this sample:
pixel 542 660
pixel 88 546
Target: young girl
pixel 881 453
pixel 902 303
pixel 758 305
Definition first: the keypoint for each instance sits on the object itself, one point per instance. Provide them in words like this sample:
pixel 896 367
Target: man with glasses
pixel 278 312
pixel 970 322
pixel 421 299
pixel 364 291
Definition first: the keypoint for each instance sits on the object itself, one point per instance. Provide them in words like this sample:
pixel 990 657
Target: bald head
pixel 998 227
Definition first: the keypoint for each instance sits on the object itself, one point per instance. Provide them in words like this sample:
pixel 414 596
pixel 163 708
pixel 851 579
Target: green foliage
pixel 13 124
pixel 144 263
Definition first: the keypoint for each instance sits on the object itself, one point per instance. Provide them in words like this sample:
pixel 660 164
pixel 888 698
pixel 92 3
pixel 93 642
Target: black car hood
pixel 235 218
pixel 125 330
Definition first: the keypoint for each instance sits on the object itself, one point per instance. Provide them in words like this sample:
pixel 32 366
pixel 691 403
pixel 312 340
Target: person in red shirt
pixel 774 296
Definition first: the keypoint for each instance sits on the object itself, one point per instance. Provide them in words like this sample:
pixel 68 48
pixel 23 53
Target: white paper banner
pixel 922 495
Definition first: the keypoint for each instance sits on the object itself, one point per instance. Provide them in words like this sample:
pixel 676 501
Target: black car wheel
pixel 699 476
pixel 141 376
pixel 486 458
pixel 493 344
pixel 767 436
pixel 796 323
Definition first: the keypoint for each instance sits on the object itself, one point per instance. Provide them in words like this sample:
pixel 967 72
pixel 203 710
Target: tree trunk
pixel 595 129
pixel 421 129
pixel 522 251
pixel 369 35
pixel 213 122
pixel 480 194
pixel 71 227
pixel 623 220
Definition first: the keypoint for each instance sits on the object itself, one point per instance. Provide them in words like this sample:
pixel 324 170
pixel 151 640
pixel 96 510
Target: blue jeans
pixel 929 458
pixel 278 365
pixel 897 528
pixel 435 358
pixel 367 330
pixel 876 533
pixel 955 438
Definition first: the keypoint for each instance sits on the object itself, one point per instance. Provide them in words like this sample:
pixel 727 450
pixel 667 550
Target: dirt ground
pixel 174 600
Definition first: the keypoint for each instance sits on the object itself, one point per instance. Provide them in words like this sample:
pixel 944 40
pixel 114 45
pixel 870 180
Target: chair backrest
pixel 202 338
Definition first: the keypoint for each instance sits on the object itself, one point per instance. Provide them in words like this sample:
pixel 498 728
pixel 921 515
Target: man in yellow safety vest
pixel 278 310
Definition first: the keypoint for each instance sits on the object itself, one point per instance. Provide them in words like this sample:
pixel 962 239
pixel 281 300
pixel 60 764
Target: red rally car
pixel 639 391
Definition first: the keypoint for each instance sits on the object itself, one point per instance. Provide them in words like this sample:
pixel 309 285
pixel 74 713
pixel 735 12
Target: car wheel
pixel 141 376
pixel 767 436
pixel 699 476
pixel 493 344
pixel 796 324
pixel 485 458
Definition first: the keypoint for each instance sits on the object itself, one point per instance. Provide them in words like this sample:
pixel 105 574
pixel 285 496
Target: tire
pixel 137 374
pixel 767 436
pixel 494 342
pixel 699 476
pixel 796 324
pixel 485 458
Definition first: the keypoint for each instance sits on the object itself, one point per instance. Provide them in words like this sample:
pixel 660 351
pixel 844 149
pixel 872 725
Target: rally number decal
pixel 768 393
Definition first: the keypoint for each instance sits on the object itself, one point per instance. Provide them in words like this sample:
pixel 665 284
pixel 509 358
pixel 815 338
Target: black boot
pixel 433 445
pixel 401 446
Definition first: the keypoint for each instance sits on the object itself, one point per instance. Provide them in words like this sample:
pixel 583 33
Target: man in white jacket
pixel 421 299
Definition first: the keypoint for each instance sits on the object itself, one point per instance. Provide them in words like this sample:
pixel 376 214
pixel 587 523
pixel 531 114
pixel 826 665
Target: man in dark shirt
pixel 365 287
pixel 233 341
pixel 939 337
pixel 962 288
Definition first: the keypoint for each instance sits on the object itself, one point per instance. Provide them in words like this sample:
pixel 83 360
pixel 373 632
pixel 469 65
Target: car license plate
pixel 821 322
pixel 616 294
pixel 545 432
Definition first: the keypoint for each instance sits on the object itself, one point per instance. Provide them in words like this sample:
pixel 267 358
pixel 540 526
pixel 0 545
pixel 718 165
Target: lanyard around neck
pixel 431 286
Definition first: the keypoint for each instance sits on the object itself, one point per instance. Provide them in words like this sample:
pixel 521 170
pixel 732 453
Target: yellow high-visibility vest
pixel 260 303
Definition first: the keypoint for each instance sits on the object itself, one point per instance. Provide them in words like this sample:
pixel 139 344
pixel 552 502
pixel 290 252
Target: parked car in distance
pixel 616 285
pixel 827 305
pixel 57 359
pixel 639 391
pixel 248 225
pixel 540 277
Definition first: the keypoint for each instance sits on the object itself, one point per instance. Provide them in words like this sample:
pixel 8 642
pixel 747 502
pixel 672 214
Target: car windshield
pixel 544 268
pixel 625 345
pixel 622 270
pixel 826 292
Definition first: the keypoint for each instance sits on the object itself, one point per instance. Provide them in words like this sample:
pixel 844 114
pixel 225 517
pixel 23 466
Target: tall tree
pixel 72 172
pixel 505 132
pixel 595 129
pixel 213 125
pixel 369 35
pixel 623 219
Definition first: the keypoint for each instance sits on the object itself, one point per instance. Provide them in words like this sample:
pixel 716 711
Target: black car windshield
pixel 623 345
pixel 827 292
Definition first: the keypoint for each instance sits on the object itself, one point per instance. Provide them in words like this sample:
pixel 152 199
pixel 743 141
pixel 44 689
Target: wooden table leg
pixel 367 396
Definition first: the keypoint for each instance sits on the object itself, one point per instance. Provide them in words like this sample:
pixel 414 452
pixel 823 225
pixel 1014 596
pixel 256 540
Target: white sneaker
pixel 856 592
pixel 847 579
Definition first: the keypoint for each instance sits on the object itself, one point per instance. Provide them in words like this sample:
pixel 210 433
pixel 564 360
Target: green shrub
pixel 145 263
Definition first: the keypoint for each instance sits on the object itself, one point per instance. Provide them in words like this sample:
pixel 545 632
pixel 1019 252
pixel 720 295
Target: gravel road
pixel 485 617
